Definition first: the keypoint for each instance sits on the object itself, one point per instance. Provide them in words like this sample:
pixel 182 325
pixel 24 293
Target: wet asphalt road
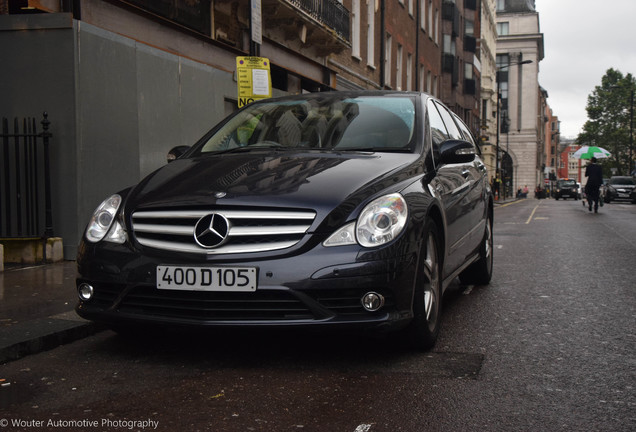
pixel 549 345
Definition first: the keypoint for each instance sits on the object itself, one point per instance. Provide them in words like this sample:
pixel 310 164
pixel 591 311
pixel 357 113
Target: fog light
pixel 372 301
pixel 85 291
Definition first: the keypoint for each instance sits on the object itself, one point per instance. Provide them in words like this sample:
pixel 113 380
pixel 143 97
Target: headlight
pixel 380 222
pixel 103 219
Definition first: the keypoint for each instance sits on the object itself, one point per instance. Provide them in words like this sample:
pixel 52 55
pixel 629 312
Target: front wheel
pixel 427 298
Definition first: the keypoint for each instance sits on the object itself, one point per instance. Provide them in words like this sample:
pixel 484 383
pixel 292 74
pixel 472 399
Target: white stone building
pixel 519 51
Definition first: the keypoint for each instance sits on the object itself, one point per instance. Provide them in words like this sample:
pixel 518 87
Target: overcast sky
pixel 583 39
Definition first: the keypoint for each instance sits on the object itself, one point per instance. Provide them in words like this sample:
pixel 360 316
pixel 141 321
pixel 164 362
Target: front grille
pixel 261 305
pixel 249 230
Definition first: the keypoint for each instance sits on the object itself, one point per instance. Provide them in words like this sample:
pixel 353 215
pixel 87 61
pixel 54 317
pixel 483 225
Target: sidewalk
pixel 37 309
pixel 507 200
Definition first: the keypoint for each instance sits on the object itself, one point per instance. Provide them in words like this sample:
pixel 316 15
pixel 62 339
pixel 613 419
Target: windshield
pixel 622 181
pixel 567 183
pixel 377 123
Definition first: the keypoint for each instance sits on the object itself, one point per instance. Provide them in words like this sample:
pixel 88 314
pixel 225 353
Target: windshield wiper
pixel 375 149
pixel 247 148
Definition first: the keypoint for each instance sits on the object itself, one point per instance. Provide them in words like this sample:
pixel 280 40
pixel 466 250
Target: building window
pixel 429 27
pixel 191 14
pixel 409 74
pixel 503 91
pixel 355 31
pixel 503 29
pixel 468 70
pixel 371 33
pixel 449 45
pixel 387 60
pixel 411 7
pixel 469 28
pixel 501 5
pixel 429 82
pixel 398 68
pixel 435 27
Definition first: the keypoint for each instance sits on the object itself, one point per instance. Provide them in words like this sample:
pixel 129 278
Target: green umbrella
pixel 588 152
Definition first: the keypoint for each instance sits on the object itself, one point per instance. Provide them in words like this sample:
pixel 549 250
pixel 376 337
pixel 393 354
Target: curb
pixel 32 337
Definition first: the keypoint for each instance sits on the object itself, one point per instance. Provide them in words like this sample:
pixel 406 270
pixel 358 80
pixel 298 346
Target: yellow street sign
pixel 254 80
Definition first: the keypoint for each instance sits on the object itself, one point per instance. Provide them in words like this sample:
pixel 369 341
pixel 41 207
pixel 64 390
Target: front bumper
pixel 619 194
pixel 321 287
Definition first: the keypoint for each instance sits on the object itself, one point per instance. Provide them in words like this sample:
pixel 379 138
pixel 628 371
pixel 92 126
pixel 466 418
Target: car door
pixel 453 184
pixel 478 189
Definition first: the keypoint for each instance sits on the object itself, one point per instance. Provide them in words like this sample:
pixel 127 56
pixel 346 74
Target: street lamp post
pixel 497 170
pixel 631 133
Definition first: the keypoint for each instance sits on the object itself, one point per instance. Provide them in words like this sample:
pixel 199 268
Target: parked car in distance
pixel 566 188
pixel 620 188
pixel 326 210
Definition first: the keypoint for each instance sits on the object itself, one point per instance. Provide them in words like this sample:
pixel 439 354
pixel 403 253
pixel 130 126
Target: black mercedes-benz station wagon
pixel 325 210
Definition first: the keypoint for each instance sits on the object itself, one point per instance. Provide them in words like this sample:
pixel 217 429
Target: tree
pixel 609 125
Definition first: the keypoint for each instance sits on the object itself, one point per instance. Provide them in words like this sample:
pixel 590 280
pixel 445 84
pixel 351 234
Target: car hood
pixel 323 182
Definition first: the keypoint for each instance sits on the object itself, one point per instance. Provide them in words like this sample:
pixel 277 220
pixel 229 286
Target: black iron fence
pixel 25 186
pixel 329 12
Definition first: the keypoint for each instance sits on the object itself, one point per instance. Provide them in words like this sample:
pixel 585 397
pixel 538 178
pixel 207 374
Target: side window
pixel 451 127
pixel 438 130
pixel 462 126
pixel 468 136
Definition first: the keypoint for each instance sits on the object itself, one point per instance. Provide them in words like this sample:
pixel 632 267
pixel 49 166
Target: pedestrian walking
pixel 594 174
pixel 497 185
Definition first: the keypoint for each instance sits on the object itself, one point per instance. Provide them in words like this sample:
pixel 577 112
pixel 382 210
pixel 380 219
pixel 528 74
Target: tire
pixel 427 298
pixel 480 272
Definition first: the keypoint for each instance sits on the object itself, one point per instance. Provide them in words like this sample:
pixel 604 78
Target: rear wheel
pixel 427 302
pixel 480 272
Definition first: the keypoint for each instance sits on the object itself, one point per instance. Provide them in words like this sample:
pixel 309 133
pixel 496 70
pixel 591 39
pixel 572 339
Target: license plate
pixel 623 195
pixel 206 278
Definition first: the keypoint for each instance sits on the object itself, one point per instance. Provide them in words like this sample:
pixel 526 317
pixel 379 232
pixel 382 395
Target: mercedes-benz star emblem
pixel 211 230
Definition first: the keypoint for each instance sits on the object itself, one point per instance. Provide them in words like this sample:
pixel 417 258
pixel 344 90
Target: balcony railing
pixel 331 13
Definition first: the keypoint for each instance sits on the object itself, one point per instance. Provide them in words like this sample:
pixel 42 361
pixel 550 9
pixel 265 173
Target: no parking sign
pixel 254 82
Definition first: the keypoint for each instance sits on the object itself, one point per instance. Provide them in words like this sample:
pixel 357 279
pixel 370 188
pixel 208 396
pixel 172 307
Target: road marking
pixel 532 214
pixel 507 204
pixel 363 428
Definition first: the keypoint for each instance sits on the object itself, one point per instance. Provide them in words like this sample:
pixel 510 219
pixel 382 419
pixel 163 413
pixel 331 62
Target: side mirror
pixel 456 151
pixel 176 152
